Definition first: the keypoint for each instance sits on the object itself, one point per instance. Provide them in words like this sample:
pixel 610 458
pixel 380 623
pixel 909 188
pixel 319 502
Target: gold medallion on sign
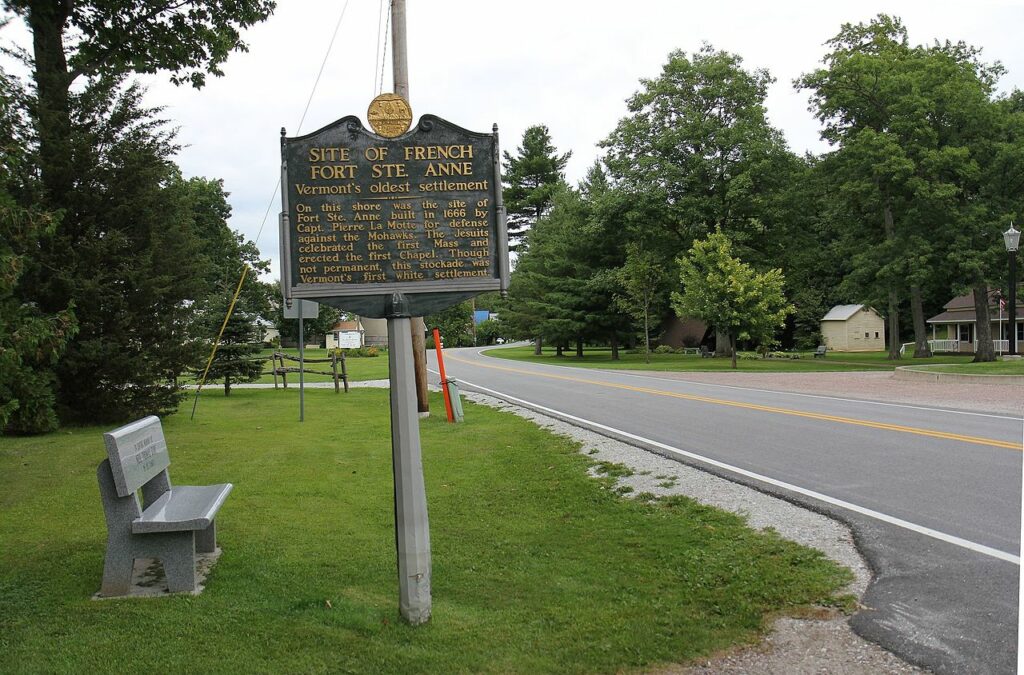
pixel 389 115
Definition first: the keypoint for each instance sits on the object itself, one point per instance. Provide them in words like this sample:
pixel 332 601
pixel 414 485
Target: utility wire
pixel 380 19
pixel 270 205
pixel 384 56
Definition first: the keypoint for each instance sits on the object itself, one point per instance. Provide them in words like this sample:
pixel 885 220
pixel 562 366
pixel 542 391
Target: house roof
pixel 961 310
pixel 842 312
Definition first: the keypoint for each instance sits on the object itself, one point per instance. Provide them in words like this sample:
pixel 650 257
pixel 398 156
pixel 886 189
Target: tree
pixel 237 356
pixel 488 331
pixel 697 153
pixel 111 38
pixel 454 323
pixel 909 123
pixel 729 294
pixel 124 252
pixel 531 179
pixel 641 278
pixel 30 341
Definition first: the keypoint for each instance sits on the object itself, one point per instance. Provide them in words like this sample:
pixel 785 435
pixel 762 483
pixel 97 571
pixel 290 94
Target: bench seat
pixel 147 516
pixel 189 507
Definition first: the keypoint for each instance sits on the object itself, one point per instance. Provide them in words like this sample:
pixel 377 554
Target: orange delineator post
pixel 444 379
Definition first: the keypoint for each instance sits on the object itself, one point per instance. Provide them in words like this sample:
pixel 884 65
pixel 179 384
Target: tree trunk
pixel 558 349
pixel 53 111
pixel 579 348
pixel 893 326
pixel 985 350
pixel 732 348
pixel 417 331
pixel 647 335
pixel 227 385
pixel 538 346
pixel 894 301
pixel 921 349
pixel 615 346
pixel 724 345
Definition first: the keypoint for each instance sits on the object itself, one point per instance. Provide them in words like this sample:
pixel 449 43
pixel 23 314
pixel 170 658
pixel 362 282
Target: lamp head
pixel 1012 239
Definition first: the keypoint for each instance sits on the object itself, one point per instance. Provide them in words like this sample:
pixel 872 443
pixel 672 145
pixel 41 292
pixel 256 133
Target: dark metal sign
pixel 366 217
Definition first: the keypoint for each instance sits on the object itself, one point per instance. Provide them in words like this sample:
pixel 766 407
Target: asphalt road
pixel 933 495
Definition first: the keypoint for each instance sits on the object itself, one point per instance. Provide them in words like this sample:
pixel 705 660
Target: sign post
pixel 395 224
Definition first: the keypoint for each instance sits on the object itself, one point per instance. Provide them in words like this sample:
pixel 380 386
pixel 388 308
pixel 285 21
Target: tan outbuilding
pixel 853 328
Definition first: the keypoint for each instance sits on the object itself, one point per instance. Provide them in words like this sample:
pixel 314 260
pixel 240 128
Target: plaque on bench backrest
pixel 137 452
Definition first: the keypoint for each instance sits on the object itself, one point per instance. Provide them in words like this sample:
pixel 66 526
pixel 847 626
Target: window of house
pixel 876 334
pixel 867 335
pixel 965 332
pixel 1020 333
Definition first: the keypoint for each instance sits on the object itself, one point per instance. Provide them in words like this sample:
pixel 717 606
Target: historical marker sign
pixel 367 216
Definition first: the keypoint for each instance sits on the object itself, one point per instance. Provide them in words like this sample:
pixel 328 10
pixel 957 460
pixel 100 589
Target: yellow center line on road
pixel 977 440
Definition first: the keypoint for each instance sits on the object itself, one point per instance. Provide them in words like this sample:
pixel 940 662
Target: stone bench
pixel 169 523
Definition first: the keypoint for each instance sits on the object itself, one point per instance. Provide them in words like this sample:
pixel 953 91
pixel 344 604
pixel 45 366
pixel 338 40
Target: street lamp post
pixel 1012 240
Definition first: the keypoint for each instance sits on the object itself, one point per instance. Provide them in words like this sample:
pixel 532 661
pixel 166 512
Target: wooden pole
pixel 334 368
pixel 344 372
pixel 407 363
pixel 400 75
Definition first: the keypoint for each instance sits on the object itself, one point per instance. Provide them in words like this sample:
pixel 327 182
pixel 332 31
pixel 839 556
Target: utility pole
pixel 405 358
pixel 400 75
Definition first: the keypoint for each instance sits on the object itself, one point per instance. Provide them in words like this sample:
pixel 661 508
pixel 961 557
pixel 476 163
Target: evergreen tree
pixel 126 256
pixel 237 357
pixel 530 180
pixel 30 342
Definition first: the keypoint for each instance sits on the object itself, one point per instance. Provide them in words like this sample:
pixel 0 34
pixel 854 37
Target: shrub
pixel 663 349
pixel 361 352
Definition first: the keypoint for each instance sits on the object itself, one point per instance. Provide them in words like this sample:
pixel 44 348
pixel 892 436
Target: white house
pixel 853 328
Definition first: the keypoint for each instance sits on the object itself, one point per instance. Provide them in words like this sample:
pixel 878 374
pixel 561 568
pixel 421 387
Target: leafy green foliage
pixel 488 331
pixel 641 278
pixel 455 324
pixel 30 342
pixel 697 148
pixel 914 130
pixel 729 294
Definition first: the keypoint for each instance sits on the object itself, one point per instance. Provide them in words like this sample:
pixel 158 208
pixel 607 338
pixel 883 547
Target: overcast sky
pixel 569 65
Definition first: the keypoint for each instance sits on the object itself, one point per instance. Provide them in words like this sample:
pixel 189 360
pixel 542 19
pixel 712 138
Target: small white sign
pixel 349 339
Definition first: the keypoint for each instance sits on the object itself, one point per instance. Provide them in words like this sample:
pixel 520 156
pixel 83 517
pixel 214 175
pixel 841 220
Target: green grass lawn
pixel 598 357
pixel 536 567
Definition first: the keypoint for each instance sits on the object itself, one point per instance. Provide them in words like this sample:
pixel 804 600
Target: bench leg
pixel 206 540
pixel 117 571
pixel 177 552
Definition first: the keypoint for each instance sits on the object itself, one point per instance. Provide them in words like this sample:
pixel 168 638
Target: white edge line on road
pixel 928 532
